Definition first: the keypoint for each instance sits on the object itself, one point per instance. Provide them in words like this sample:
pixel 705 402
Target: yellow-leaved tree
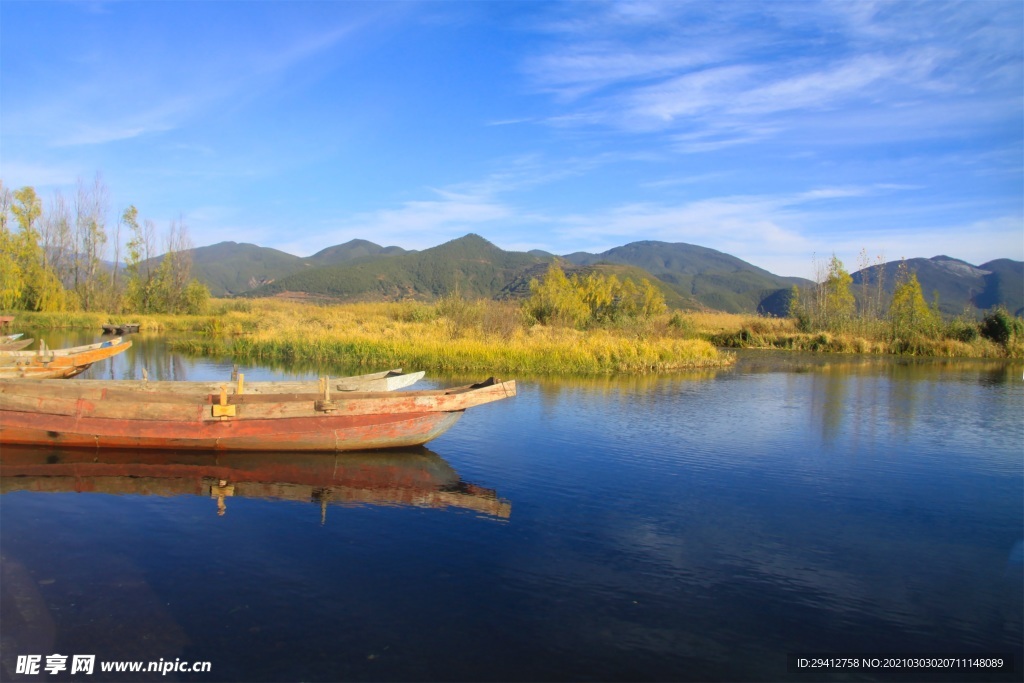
pixel 909 315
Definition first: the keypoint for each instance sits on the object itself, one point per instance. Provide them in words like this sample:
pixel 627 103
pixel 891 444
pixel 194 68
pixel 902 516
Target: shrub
pixel 461 315
pixel 1000 326
pixel 962 330
pixel 683 325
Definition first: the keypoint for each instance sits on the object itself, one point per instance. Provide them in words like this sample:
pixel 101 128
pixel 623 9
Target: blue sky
pixel 771 131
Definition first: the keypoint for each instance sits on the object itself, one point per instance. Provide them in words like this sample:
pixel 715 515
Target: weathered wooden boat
pixel 404 477
pixel 103 415
pixel 16 345
pixel 120 328
pixel 47 363
pixel 389 380
pixel 14 342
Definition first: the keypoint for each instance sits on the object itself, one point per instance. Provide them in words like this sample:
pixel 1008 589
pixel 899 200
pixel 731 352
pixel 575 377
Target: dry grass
pixel 451 336
pixel 494 337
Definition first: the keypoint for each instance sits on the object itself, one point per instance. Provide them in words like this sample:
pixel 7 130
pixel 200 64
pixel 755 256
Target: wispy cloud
pixel 751 73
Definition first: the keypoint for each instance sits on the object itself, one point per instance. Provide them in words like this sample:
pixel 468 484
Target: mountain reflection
pixel 415 477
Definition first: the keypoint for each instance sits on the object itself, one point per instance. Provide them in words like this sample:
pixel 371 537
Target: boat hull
pixel 317 433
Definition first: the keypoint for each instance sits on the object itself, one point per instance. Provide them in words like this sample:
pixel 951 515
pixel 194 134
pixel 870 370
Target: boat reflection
pixel 415 477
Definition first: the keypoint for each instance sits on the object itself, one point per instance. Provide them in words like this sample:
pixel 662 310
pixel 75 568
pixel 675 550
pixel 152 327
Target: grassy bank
pixel 453 336
pixel 495 338
pixel 953 339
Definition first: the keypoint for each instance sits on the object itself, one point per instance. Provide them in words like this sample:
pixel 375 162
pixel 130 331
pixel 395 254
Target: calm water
pixel 688 528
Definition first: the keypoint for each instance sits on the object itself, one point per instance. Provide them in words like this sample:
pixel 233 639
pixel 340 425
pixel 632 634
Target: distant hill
pixel 230 268
pixel 960 286
pixel 692 277
pixel 470 264
pixel 353 250
pixel 705 277
pixel 519 288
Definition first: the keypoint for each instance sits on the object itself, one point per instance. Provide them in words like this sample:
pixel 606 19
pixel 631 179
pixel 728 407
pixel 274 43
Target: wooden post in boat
pixel 223 410
pixel 324 404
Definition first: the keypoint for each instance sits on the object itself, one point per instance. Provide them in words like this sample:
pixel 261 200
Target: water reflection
pixel 408 477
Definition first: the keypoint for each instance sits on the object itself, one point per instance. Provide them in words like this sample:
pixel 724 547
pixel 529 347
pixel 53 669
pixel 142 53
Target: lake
pixel 705 526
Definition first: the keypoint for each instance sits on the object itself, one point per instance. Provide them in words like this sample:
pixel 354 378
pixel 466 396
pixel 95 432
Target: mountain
pixel 230 268
pixel 691 277
pixel 470 264
pixel 959 285
pixel 519 287
pixel 708 278
pixel 351 251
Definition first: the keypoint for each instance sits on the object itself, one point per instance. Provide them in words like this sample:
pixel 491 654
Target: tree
pixel 136 294
pixel 556 301
pixel 908 313
pixel 57 238
pixel 872 286
pixel 91 206
pixel 838 305
pixel 595 298
pixel 10 271
pixel 31 284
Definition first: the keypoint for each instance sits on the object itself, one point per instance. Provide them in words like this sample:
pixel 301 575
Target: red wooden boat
pixel 112 415
pixel 58 363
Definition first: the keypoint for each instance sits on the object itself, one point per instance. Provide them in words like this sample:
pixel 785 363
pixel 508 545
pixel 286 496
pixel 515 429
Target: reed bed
pixel 782 333
pixel 495 337
pixel 375 342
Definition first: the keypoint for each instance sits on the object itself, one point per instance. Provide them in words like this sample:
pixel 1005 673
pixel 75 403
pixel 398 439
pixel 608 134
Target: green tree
pixel 137 292
pixel 838 305
pixel 196 298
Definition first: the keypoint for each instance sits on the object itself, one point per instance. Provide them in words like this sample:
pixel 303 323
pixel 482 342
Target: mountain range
pixel 690 276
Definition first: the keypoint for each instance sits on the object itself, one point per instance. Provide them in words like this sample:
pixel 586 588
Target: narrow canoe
pixel 389 380
pixel 407 477
pixel 99 415
pixel 15 344
pixel 123 328
pixel 58 363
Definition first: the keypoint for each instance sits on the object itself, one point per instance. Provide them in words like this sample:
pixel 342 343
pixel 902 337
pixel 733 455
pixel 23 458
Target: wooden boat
pixel 16 345
pixel 122 328
pixel 108 415
pixel 14 342
pixel 58 363
pixel 389 380
pixel 404 477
